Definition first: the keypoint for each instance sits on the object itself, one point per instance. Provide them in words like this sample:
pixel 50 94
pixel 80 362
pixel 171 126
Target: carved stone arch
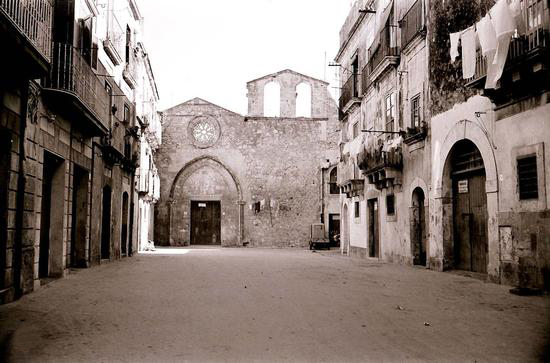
pixel 225 189
pixel 417 183
pixel 202 158
pixel 466 129
pixel 442 237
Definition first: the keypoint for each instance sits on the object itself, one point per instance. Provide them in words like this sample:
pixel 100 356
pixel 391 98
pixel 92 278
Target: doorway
pixel 205 223
pixel 373 228
pixel 106 223
pixel 469 208
pixel 334 229
pixel 5 163
pixel 418 227
pixel 79 217
pixel 124 230
pixel 50 260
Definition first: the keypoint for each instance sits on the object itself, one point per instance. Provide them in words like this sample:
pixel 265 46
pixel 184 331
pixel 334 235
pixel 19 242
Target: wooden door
pixel 470 222
pixel 374 236
pixel 205 223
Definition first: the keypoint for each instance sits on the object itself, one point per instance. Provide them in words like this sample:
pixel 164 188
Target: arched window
pixel 333 181
pixel 272 99
pixel 303 100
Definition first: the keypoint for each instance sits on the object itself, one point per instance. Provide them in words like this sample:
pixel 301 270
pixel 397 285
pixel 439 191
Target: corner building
pixel 234 180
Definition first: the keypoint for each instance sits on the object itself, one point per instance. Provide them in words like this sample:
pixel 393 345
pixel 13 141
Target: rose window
pixel 204 132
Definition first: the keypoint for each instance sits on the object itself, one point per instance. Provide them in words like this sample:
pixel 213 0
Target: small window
pixel 390 204
pixel 126 114
pixel 528 178
pixel 415 111
pixel 390 112
pixel 333 182
pixel 357 210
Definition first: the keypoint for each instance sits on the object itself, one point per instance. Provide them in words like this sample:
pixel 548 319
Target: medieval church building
pixel 257 180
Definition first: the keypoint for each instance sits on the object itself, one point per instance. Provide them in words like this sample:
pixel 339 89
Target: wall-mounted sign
pixel 202 205
pixel 463 186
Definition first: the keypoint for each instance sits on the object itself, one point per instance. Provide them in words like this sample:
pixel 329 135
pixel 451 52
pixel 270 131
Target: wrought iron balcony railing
pixel 374 160
pixel 412 23
pixel 72 75
pixel 350 90
pixel 385 49
pixel 34 19
pixel 533 44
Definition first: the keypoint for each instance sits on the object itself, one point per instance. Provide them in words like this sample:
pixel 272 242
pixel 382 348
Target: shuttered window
pixel 527 178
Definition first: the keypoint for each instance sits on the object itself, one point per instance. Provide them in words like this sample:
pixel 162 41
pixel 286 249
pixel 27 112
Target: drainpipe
pixel 20 200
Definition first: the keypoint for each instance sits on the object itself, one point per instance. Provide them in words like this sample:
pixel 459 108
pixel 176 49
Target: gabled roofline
pixel 287 71
pixel 205 101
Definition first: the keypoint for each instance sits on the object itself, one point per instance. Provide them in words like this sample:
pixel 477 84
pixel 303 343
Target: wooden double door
pixel 205 223
pixel 470 222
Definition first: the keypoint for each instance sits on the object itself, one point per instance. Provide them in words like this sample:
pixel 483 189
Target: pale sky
pixel 211 48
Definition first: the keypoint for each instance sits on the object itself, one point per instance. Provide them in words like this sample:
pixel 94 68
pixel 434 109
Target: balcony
pixel 412 24
pixel 130 73
pixel 382 167
pixel 383 53
pixel 528 63
pixel 350 179
pixel 114 43
pixel 25 34
pixel 365 79
pixel 350 93
pixel 76 90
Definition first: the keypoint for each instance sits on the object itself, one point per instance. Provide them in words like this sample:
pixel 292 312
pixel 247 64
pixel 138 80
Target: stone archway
pixel 442 236
pixel 205 180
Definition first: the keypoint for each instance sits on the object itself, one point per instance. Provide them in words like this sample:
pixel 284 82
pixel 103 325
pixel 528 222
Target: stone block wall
pixel 266 172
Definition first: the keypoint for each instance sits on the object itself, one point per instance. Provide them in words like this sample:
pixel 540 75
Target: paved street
pixel 211 305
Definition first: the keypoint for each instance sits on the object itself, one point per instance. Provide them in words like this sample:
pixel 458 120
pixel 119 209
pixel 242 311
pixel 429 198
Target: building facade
pixel 449 173
pixel 384 171
pixel 232 180
pixel 490 151
pixel 69 111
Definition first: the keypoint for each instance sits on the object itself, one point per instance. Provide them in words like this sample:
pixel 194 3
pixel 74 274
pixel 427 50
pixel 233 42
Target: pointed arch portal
pixel 206 205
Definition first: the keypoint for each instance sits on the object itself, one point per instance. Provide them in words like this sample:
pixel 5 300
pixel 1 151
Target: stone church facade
pixel 234 180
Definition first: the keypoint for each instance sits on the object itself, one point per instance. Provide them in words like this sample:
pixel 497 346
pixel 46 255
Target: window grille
pixel 528 178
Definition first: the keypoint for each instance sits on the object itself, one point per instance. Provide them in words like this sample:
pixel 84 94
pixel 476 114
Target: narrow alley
pixel 214 304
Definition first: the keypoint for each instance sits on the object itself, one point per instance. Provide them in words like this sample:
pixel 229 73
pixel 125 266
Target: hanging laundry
pixel 468 40
pixel 505 25
pixel 488 41
pixel 455 38
pixel 486 34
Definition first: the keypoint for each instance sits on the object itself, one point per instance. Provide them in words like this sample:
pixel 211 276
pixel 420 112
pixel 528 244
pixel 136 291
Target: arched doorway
pixel 206 205
pixel 345 231
pixel 418 227
pixel 106 223
pixel 124 230
pixel 469 207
